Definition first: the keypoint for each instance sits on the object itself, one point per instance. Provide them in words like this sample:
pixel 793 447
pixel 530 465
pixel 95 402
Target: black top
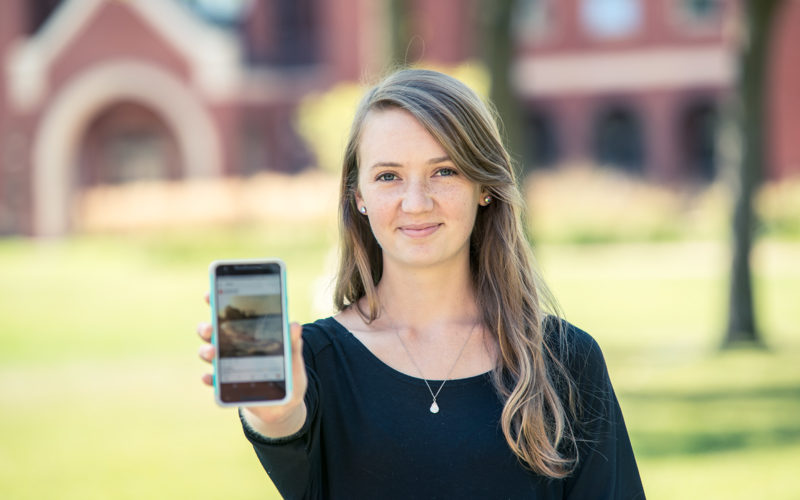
pixel 369 433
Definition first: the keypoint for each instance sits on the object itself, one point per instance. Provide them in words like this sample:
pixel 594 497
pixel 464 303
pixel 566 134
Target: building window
pixel 619 139
pixel 611 18
pixel 543 138
pixel 283 32
pixel 698 130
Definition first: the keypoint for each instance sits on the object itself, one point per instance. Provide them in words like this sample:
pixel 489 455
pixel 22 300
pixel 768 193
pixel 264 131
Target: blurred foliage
pixel 573 204
pixel 473 73
pixel 778 207
pixel 585 204
pixel 265 197
pixel 323 119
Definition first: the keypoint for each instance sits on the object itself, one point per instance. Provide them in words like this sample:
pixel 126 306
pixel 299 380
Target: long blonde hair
pixel 530 378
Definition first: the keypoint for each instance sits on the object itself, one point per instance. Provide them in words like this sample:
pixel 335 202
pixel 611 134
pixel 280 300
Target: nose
pixel 417 197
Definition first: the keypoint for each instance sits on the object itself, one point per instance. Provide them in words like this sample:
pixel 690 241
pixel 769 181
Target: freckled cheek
pixel 458 202
pixel 379 215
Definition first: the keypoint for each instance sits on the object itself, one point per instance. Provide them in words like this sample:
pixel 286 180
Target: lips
pixel 419 230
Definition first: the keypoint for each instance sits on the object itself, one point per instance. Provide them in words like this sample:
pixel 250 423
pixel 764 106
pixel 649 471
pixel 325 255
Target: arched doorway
pixel 58 139
pixel 618 139
pixel 127 142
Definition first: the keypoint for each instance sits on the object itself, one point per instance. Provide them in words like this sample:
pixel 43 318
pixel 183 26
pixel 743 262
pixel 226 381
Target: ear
pixel 358 198
pixel 482 199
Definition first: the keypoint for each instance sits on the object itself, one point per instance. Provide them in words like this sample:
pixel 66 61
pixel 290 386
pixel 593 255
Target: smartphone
pixel 253 358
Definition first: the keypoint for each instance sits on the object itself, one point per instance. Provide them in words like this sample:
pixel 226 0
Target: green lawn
pixel 99 382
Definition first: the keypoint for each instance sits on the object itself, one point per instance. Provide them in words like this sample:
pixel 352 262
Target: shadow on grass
pixel 660 445
pixel 790 394
pixel 715 421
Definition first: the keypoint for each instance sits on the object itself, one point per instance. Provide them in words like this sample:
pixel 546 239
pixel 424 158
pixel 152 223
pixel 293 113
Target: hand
pixel 271 421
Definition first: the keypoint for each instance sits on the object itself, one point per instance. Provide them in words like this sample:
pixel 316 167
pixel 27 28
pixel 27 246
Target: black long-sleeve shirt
pixel 369 433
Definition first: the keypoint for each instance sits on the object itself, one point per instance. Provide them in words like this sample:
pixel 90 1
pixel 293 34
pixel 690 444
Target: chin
pixel 425 261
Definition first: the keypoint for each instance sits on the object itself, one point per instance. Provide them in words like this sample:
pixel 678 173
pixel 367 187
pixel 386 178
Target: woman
pixel 441 376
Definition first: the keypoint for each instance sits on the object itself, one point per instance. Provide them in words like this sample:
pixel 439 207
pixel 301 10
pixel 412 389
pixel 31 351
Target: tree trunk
pixel 750 120
pixel 498 55
pixel 400 36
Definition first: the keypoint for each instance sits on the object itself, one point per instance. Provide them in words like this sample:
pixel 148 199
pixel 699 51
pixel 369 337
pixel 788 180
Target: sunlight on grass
pixel 99 383
pixel 139 428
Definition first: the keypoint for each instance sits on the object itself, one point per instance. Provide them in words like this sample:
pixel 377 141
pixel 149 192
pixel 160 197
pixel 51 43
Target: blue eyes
pixel 442 172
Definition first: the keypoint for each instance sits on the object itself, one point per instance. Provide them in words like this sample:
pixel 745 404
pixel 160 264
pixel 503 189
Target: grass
pixel 99 384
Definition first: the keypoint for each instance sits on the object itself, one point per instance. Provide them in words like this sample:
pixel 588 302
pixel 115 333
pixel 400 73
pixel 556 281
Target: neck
pixel 428 297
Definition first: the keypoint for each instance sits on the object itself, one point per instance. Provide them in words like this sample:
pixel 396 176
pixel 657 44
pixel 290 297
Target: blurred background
pixel 658 144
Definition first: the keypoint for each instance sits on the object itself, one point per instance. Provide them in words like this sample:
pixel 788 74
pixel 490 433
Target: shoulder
pixel 560 334
pixel 578 351
pixel 321 334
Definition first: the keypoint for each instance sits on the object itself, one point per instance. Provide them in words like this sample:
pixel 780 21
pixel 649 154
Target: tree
pixel 400 27
pixel 749 113
pixel 498 53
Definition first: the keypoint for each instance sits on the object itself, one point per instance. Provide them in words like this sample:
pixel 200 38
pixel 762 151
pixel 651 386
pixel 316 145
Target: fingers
pixel 298 366
pixel 204 331
pixel 297 348
pixel 295 333
pixel 206 353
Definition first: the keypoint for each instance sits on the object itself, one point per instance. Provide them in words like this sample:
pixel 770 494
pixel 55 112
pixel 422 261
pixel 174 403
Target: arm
pixel 284 436
pixel 272 422
pixel 293 462
pixel 286 426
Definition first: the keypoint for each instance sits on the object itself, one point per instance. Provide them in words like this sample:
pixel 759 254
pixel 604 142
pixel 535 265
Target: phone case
pixel 287 341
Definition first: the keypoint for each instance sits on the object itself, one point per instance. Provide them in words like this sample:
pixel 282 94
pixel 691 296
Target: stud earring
pixel 487 199
pixel 363 210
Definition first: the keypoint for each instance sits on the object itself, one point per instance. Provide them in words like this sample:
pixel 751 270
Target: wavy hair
pixel 530 375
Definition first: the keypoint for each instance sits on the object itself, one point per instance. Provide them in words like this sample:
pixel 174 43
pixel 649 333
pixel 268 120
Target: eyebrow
pixel 432 161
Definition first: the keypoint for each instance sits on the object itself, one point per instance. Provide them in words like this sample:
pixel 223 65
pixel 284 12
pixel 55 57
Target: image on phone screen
pixel 250 332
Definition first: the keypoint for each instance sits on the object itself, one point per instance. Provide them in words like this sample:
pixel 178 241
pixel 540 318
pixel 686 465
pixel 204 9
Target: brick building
pixel 640 84
pixel 97 92
pixel 108 91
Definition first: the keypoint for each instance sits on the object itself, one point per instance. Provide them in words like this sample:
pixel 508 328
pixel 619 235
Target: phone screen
pixel 250 327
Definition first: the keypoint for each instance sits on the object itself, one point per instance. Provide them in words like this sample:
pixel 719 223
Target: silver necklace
pixel 435 406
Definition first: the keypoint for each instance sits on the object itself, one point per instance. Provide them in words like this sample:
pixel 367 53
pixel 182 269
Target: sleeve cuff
pixel 256 436
pixel 311 413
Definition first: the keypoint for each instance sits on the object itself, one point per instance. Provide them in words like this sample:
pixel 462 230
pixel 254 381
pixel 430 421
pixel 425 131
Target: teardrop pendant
pixel 434 407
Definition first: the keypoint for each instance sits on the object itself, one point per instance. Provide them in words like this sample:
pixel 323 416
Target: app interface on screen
pixel 250 327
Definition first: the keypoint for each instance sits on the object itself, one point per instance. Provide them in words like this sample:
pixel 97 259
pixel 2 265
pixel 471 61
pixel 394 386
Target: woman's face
pixel 420 207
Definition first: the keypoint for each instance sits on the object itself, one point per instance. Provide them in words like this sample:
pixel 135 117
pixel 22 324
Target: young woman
pixel 446 372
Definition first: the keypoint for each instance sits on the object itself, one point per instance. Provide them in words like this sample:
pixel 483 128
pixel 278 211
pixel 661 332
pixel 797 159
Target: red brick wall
pixel 116 32
pixel 783 103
